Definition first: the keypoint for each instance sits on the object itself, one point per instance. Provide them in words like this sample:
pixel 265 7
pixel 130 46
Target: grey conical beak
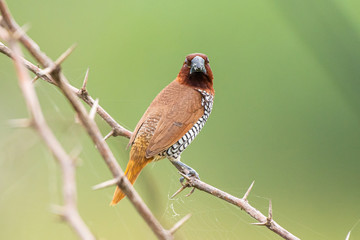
pixel 197 65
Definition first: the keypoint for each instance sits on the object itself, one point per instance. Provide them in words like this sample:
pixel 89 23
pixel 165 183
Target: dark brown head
pixel 196 72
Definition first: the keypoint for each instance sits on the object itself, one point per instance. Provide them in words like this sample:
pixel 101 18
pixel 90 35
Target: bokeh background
pixel 286 115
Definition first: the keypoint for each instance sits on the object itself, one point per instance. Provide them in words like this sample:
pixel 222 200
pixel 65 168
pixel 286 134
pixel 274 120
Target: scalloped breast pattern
pixel 175 150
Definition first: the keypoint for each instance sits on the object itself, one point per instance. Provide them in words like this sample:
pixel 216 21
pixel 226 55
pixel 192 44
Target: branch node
pixel 248 191
pixel 179 224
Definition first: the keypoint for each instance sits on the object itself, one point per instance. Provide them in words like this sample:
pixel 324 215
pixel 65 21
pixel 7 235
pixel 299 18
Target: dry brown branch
pixel 55 77
pixel 244 205
pixel 69 211
pixel 117 129
pixel 53 72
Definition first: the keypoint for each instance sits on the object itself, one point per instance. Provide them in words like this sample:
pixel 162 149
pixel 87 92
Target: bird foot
pixel 187 184
pixel 187 173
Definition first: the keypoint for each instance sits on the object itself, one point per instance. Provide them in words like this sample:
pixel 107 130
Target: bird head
pixel 196 72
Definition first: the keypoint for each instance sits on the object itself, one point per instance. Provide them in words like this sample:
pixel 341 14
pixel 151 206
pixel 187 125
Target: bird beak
pixel 197 65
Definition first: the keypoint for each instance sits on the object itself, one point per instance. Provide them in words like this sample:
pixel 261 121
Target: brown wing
pixel 174 111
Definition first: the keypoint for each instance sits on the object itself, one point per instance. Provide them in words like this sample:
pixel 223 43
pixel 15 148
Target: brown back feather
pixel 173 113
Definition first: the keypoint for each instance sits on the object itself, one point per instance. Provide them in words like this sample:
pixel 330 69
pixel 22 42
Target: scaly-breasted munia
pixel 173 120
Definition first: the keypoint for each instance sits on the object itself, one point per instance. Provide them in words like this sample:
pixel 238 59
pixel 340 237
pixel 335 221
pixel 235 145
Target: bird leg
pixel 186 171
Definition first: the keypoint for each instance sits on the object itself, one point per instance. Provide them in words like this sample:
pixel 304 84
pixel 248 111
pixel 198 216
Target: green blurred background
pixel 286 115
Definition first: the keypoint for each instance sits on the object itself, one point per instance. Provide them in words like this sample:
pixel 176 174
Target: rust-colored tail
pixel 136 163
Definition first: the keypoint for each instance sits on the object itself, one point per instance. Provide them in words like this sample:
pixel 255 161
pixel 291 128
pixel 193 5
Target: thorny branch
pixel 69 211
pixel 52 74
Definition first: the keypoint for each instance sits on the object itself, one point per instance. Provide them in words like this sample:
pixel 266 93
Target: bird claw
pixel 191 192
pixel 191 174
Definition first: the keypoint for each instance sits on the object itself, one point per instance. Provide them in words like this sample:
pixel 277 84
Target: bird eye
pixel 186 61
pixel 207 60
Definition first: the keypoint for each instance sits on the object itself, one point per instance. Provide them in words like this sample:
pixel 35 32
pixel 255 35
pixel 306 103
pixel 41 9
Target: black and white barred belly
pixel 175 150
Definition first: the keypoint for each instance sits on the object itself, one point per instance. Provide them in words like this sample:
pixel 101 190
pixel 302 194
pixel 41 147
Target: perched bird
pixel 172 120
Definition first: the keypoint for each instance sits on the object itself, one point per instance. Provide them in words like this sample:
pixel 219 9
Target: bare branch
pixel 92 130
pixel 117 128
pixel 89 125
pixel 69 212
pixel 244 205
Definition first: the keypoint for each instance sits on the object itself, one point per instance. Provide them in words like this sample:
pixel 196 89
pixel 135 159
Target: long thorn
pixel 179 224
pixel 270 211
pixel 83 88
pixel 106 184
pixel 93 109
pixel 58 210
pixel 191 192
pixel 109 134
pixel 348 236
pixel 20 123
pixel 248 191
pixel 184 175
pixel 35 78
pixel 63 56
pixel 178 191
pixel 21 31
pixel 259 224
